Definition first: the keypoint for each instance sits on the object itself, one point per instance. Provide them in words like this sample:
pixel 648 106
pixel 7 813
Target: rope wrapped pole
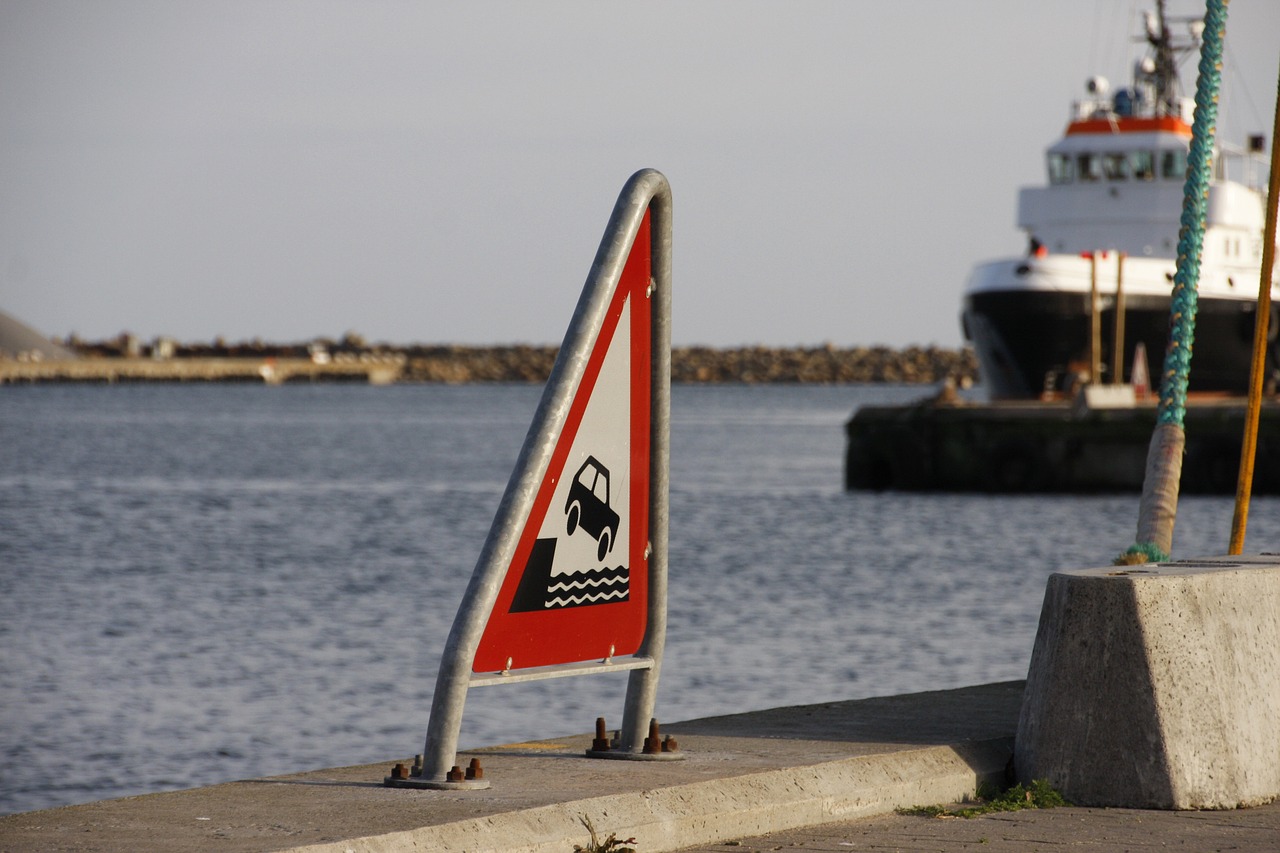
pixel 1249 446
pixel 1158 509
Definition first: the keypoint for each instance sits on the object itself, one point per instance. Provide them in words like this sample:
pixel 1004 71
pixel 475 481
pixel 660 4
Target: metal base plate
pixel 620 755
pixel 440 785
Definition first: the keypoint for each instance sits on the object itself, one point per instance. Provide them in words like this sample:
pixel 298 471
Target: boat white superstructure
pixel 1103 232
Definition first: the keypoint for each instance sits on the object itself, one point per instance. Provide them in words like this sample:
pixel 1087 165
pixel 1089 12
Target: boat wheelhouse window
pixel 1060 169
pixel 1089 167
pixel 1142 165
pixel 1115 166
pixel 1173 164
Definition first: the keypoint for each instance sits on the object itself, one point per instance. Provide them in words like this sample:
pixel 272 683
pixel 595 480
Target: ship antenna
pixel 1161 71
pixel 1166 73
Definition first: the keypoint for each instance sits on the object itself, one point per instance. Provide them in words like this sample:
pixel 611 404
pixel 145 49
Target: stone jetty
pixel 824 364
pixel 128 360
pixel 756 364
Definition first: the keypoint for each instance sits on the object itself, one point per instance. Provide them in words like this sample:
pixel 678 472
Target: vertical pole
pixel 1095 323
pixel 1117 345
pixel 642 684
pixel 1249 446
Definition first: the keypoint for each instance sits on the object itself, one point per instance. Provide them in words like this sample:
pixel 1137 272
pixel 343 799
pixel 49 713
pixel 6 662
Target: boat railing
pixel 1103 106
pixel 1088 108
pixel 1243 164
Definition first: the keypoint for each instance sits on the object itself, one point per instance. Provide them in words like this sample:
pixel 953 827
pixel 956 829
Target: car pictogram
pixel 588 506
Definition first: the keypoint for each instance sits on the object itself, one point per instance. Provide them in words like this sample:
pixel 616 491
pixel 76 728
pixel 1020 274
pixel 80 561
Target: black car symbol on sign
pixel 588 505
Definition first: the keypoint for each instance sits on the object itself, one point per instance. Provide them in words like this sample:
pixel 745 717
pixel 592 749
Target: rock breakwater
pixel 758 364
pixel 168 360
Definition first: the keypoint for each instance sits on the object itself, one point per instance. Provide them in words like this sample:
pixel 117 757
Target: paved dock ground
pixel 1255 830
pixel 767 779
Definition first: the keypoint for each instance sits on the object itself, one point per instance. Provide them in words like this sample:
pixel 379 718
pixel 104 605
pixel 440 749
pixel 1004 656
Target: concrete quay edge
pixel 744 774
pixel 669 819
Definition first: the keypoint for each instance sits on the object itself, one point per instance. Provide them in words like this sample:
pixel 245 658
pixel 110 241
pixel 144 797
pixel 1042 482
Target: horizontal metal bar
pixel 540 673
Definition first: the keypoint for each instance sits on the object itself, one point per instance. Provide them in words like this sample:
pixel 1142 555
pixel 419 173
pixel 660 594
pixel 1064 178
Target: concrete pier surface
pixel 743 774
pixel 818 777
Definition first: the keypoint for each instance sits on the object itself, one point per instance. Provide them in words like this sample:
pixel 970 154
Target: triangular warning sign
pixel 577 585
pixel 574 569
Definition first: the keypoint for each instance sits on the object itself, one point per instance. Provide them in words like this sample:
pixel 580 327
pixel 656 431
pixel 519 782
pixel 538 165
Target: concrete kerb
pixel 666 819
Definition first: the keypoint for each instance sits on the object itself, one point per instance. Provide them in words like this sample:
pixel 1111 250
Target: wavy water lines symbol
pixel 540 589
pixel 589 598
pixel 590 587
pixel 583 584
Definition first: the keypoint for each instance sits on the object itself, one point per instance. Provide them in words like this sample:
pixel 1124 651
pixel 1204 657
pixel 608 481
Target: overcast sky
pixel 443 172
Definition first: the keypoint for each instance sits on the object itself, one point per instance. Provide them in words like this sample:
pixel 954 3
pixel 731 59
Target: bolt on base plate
pixel 655 748
pixel 455 780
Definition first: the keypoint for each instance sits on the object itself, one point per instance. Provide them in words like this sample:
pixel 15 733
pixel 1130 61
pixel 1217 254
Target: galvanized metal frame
pixel 646 190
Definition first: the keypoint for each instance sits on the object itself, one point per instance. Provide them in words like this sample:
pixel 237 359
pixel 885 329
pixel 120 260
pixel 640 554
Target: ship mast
pixel 1160 70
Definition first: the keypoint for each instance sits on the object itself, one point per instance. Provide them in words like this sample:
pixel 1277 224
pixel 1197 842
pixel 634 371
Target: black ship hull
pixel 1030 342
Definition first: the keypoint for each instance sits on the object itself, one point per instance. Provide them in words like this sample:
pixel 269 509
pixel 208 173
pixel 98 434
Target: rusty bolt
pixel 416 770
pixel 652 744
pixel 474 770
pixel 601 742
pixel 669 744
pixel 454 775
pixel 400 771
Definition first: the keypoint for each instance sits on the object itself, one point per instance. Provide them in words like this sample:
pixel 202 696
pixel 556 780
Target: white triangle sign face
pixel 577 586
pixel 593 524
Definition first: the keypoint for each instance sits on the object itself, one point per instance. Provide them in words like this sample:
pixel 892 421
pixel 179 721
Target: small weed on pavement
pixel 1038 795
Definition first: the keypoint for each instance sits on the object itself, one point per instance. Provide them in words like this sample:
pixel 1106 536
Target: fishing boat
pixel 1095 283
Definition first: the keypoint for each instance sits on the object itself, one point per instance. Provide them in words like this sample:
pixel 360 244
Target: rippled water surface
pixel 205 583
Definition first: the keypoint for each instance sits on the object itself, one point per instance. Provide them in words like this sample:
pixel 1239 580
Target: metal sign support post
pixel 647 191
pixel 642 685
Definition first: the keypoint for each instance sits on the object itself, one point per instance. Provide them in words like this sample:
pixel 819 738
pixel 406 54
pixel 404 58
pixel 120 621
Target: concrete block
pixel 1157 686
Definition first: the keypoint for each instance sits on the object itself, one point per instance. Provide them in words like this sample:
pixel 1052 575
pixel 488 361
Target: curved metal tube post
pixel 646 190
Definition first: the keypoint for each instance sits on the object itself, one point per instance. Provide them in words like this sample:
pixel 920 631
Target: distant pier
pixel 1049 447
pixel 270 371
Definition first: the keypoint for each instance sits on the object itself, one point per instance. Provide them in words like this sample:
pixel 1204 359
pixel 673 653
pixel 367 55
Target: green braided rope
pixel 1182 311
pixel 1142 553
pixel 1158 509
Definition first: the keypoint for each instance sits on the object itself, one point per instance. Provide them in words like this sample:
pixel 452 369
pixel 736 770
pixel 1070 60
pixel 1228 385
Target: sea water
pixel 201 583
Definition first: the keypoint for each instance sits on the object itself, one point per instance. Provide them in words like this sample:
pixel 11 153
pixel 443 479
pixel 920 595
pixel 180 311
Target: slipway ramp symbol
pixel 545 585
